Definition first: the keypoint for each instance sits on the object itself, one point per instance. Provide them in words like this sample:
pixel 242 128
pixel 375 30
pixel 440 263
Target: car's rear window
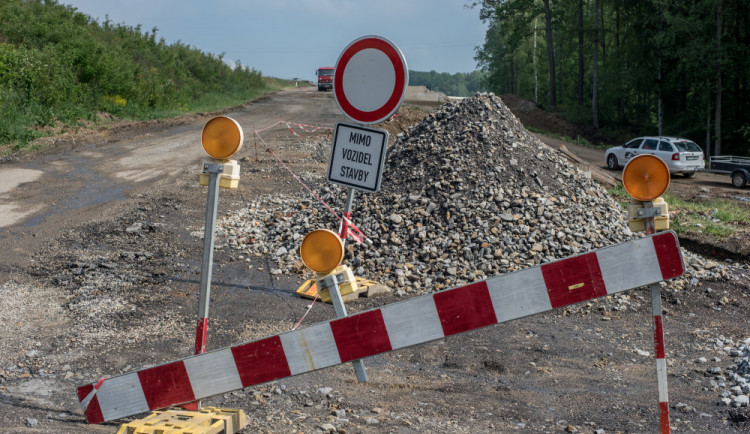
pixel 688 146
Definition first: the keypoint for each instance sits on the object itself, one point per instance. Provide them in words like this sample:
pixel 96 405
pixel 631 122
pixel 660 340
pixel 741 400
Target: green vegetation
pixel 59 66
pixel 717 218
pixel 627 68
pixel 459 84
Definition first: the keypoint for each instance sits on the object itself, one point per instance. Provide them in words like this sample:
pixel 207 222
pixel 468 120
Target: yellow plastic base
pixel 224 182
pixel 637 224
pixel 364 288
pixel 209 420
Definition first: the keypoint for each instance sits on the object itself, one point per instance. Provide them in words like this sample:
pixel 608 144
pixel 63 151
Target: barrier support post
pixel 661 361
pixel 333 288
pixel 212 204
pixel 338 304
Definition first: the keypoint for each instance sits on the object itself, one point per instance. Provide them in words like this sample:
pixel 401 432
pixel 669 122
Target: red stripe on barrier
pixel 84 391
pixel 664 417
pixel 466 308
pixel 361 335
pixel 166 385
pixel 573 280
pixel 261 361
pixel 92 412
pixel 670 264
pixel 659 337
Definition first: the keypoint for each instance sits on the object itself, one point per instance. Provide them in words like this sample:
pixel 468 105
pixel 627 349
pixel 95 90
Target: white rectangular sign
pixel 357 157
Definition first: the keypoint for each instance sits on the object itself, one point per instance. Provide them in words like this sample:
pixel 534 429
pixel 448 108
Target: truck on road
pixel 325 78
pixel 737 167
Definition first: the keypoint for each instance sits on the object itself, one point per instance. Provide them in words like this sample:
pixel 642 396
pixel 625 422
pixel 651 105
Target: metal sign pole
pixel 212 204
pixel 656 309
pixel 333 288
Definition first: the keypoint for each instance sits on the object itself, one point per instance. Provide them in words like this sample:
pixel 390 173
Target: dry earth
pixel 100 276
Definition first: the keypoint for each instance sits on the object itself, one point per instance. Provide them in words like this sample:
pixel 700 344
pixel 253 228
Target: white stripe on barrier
pixel 411 322
pixel 121 395
pixel 630 262
pixel 310 348
pixel 200 371
pixel 517 295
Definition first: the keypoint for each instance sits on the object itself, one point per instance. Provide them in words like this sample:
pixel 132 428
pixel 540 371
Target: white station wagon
pixel 681 155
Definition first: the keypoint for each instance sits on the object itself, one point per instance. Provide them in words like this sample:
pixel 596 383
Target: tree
pixel 580 52
pixel 717 146
pixel 550 55
pixel 595 69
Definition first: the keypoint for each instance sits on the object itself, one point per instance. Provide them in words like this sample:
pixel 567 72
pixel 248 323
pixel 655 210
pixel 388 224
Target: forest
pixel 459 84
pixel 60 66
pixel 624 68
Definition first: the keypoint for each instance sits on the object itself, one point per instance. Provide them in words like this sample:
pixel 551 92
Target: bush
pixel 57 64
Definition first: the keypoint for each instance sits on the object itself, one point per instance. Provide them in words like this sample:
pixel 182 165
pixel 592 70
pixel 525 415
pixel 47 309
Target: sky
pixel 291 39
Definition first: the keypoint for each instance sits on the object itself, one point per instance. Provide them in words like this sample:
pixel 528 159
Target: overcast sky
pixel 288 38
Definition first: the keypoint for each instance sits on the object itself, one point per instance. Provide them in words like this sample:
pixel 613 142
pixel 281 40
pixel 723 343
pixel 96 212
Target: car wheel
pixel 739 179
pixel 612 162
pixel 688 174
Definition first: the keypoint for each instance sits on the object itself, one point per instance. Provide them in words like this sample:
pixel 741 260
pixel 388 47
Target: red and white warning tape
pixel 399 325
pixel 304 127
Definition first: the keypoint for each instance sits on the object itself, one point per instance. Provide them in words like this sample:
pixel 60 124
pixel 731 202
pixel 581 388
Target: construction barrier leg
pixel 661 361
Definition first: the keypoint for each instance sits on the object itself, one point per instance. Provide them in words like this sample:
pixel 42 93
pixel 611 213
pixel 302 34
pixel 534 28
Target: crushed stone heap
pixel 466 194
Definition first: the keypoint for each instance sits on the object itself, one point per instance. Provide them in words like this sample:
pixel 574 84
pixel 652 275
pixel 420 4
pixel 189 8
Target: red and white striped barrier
pixel 418 320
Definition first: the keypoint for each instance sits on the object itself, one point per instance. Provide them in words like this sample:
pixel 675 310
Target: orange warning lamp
pixel 322 250
pixel 645 177
pixel 222 137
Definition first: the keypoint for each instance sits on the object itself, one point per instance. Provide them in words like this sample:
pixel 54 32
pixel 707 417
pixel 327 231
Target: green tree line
pixel 459 84
pixel 59 65
pixel 622 67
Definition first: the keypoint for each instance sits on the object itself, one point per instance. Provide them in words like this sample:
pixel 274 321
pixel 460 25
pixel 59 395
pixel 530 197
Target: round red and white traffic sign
pixel 370 79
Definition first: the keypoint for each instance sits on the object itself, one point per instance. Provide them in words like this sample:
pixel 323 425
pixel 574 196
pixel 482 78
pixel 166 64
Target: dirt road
pixel 101 272
pixel 704 185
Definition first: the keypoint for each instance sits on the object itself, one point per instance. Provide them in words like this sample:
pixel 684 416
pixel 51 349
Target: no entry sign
pixel 370 80
pixel 357 157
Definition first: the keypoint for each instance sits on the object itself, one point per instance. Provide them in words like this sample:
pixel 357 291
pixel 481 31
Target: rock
pixel 31 422
pixel 135 227
pixel 327 427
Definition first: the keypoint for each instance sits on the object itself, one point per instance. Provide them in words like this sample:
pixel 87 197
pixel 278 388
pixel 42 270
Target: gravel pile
pixel 734 384
pixel 467 193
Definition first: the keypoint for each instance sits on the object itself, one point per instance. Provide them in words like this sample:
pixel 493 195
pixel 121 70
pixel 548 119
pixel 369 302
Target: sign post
pixel 646 178
pixel 369 85
pixel 221 138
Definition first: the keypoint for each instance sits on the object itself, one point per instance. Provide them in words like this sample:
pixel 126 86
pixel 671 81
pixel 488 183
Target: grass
pixel 208 102
pixel 717 218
